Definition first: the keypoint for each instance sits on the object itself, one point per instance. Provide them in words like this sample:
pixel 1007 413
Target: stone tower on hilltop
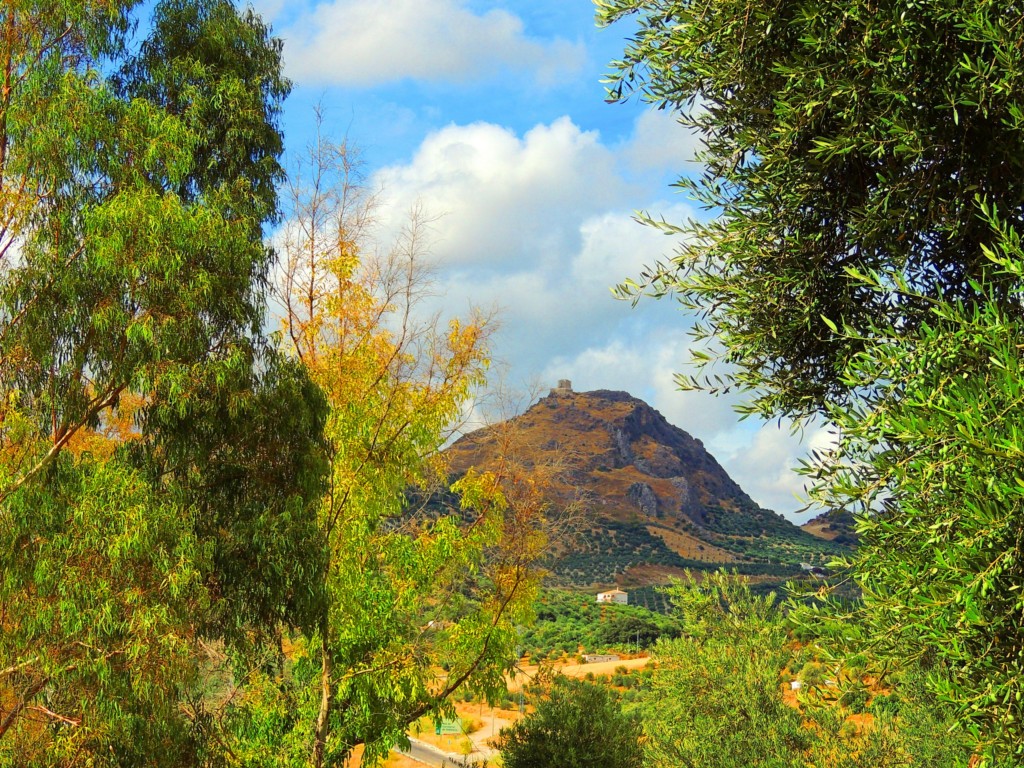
pixel 564 388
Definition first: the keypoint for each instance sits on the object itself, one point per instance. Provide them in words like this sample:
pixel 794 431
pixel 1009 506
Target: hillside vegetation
pixel 573 623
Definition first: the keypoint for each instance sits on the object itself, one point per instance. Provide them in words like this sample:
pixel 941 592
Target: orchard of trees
pixel 719 697
pixel 206 552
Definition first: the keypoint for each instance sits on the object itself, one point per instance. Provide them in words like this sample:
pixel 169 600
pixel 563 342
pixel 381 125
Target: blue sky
pixel 490 115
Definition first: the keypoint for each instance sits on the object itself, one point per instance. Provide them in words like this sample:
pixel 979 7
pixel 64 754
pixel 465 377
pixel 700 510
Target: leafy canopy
pixel 865 163
pixel 719 696
pixel 147 523
pixel 839 139
pixel 577 724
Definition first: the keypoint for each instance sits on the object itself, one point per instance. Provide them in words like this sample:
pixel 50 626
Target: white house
pixel 615 596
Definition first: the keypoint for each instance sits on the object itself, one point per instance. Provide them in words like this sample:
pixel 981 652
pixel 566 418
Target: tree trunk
pixel 326 697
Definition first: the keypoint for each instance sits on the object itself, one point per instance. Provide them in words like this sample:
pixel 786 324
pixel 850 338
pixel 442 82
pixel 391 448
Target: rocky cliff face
pixel 623 455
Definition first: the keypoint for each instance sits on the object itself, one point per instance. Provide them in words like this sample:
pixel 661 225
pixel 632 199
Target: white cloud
pixel 551 309
pixel 660 142
pixel 540 227
pixel 505 200
pixel 767 463
pixel 365 42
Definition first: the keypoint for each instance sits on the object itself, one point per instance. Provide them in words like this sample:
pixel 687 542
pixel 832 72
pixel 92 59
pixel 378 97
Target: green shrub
pixel 811 675
pixel 855 698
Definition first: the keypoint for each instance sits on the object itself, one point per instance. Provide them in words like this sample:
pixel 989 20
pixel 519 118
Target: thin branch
pixel 62 439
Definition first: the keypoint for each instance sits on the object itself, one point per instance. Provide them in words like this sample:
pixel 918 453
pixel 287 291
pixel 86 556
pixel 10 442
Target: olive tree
pixel 577 724
pixel 864 162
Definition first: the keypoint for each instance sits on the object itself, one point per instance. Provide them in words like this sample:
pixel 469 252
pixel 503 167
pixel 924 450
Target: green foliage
pixel 839 139
pixel 140 250
pixel 766 542
pixel 907 725
pixel 767 537
pixel 602 552
pixel 578 724
pixel 248 450
pixel 866 267
pixel 154 492
pixel 219 72
pixel 935 454
pixel 102 589
pixel 811 674
pixel 715 698
pixel 650 597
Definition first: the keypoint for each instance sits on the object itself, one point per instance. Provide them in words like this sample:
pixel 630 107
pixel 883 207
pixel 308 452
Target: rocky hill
pixel 655 500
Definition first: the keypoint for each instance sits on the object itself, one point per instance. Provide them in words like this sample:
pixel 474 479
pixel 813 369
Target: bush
pixel 855 698
pixel 811 675
pixel 578 725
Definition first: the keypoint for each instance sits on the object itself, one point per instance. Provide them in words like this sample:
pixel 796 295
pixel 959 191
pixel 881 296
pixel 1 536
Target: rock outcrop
pixel 618 451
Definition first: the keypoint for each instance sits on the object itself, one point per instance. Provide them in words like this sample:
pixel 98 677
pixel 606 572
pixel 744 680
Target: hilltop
pixel 654 500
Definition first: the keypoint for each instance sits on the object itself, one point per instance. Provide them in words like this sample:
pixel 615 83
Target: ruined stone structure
pixel 564 388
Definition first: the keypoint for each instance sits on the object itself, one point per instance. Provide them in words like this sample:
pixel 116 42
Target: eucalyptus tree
pixel 152 493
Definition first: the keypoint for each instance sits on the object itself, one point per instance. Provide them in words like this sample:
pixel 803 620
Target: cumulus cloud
pixel 553 308
pixel 506 200
pixel 364 42
pixel 540 226
pixel 660 142
pixel 766 463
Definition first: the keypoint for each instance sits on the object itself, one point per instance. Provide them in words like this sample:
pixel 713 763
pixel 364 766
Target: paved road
pixel 428 755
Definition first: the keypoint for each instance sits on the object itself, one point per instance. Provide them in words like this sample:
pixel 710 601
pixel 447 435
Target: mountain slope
pixel 655 499
pixel 840 527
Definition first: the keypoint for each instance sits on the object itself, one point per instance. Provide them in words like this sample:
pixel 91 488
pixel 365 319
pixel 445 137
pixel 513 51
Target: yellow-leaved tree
pixel 422 584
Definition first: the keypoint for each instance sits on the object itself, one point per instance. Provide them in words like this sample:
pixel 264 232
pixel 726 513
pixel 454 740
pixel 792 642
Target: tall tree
pixel 838 139
pixel 134 234
pixel 407 590
pixel 866 267
pixel 131 300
